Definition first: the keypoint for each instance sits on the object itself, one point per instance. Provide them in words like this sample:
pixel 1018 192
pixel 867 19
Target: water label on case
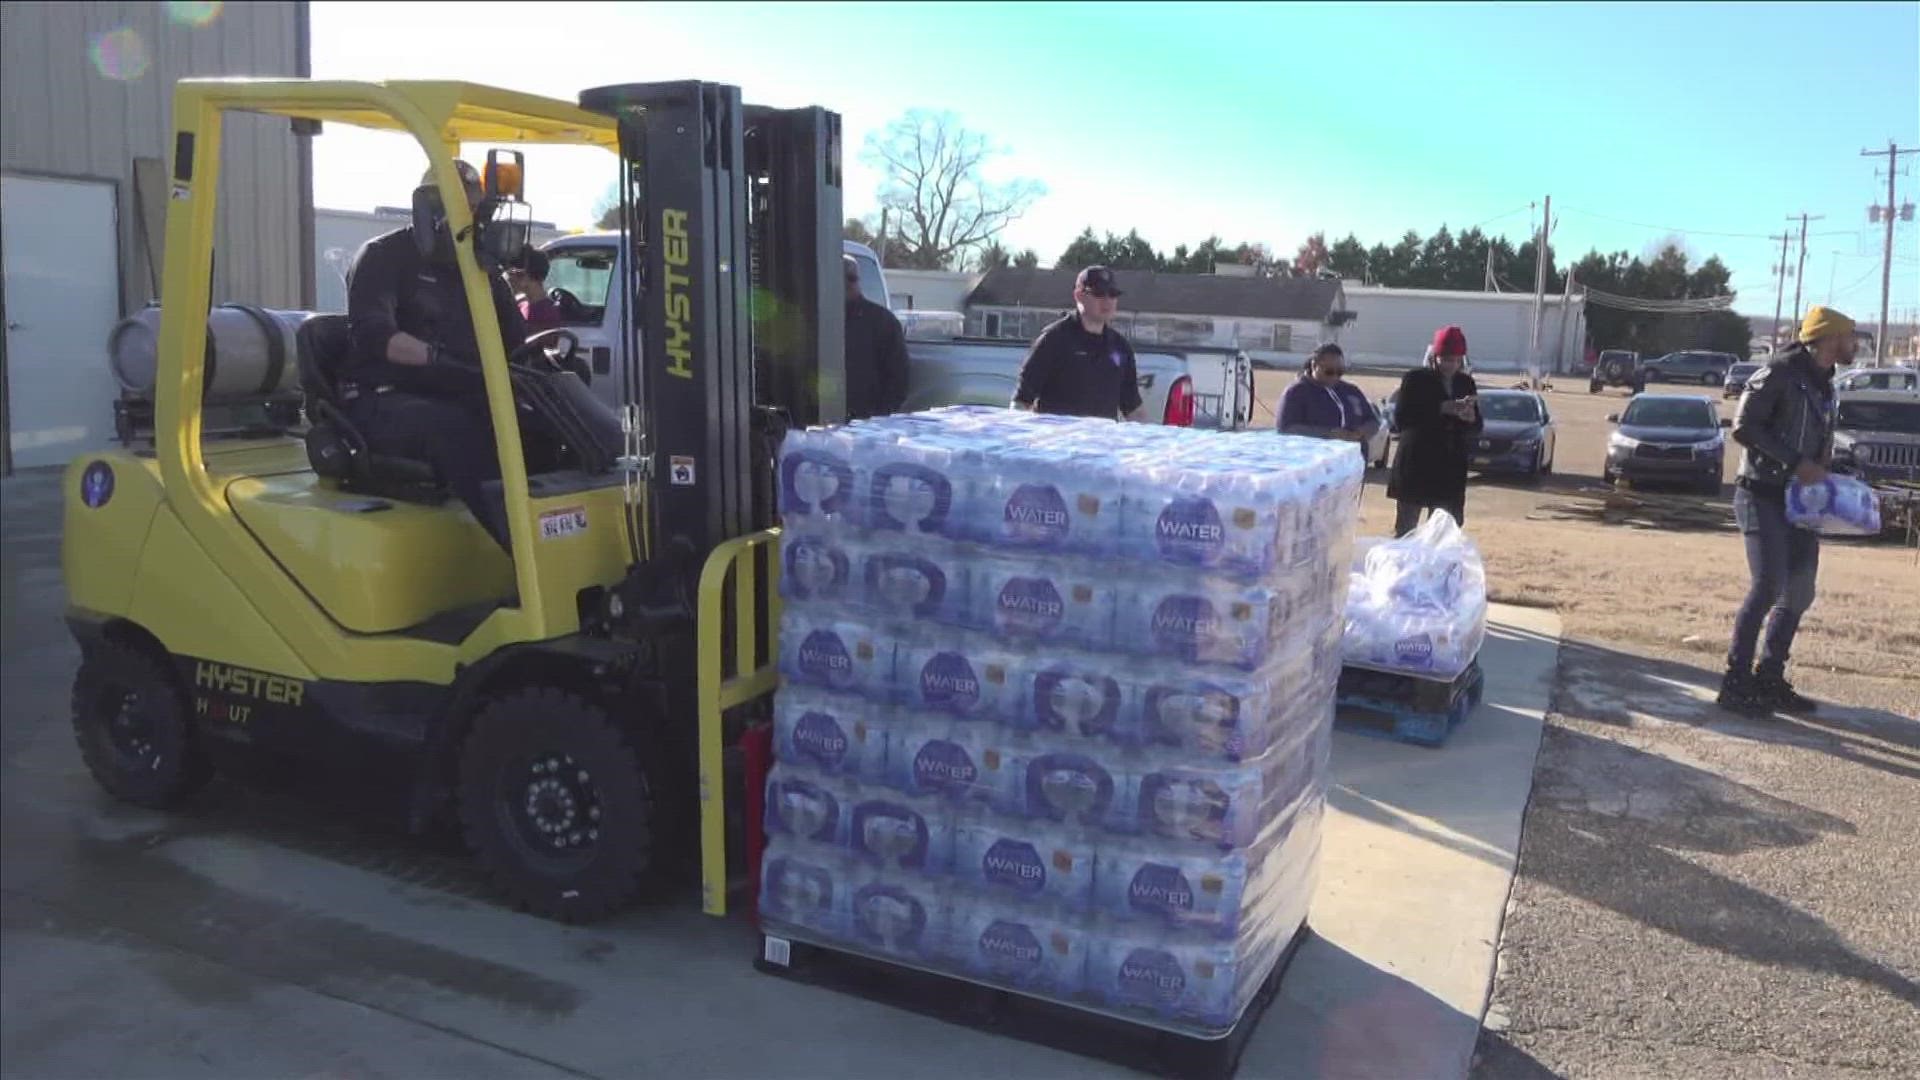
pixel 1189 531
pixel 819 738
pixel 1036 514
pixel 1161 890
pixel 1010 945
pixel 947 682
pixel 824 656
pixel 1028 605
pixel 1182 624
pixel 1151 975
pixel 944 766
pixel 1015 865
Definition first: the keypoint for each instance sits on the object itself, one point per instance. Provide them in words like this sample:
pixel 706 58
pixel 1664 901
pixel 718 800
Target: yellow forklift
pixel 254 604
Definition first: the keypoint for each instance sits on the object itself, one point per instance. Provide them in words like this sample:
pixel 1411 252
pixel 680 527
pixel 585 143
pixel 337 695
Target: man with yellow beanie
pixel 1785 425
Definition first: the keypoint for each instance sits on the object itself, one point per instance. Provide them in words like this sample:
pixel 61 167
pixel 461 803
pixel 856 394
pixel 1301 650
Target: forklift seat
pixel 335 448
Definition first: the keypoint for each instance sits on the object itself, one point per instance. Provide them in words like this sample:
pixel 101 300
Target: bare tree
pixel 934 186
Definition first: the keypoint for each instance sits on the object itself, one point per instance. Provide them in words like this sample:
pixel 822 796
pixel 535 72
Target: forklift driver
pixel 413 385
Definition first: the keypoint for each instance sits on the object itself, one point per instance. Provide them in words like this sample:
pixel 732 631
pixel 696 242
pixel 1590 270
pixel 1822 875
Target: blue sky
pixel 1265 123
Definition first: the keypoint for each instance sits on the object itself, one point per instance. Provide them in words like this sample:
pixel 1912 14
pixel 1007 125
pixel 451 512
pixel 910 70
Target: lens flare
pixel 194 12
pixel 119 54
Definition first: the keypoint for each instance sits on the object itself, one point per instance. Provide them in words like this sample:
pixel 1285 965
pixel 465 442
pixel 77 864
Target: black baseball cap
pixel 1098 280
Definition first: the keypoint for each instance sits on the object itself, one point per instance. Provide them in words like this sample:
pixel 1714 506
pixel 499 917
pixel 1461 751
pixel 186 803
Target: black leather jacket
pixel 1785 418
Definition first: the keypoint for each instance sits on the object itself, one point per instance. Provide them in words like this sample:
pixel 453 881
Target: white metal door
pixel 63 297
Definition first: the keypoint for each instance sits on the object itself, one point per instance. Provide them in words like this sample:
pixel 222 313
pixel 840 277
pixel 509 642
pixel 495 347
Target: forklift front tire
pixel 135 733
pixel 555 805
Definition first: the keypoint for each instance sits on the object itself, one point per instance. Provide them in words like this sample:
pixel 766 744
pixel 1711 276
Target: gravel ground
pixel 1705 896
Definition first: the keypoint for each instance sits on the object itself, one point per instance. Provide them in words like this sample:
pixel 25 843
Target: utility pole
pixel 1801 273
pixel 1780 293
pixel 1539 290
pixel 1892 154
pixel 1566 316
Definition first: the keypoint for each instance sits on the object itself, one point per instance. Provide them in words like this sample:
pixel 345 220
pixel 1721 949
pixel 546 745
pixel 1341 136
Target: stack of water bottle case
pixel 1056 701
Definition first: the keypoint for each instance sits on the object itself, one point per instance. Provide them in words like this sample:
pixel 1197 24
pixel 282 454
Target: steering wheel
pixel 569 304
pixel 539 347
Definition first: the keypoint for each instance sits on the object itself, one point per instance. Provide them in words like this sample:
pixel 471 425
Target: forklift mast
pixel 736 214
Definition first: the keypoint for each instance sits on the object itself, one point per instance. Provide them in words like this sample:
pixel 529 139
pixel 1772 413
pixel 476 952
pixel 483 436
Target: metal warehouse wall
pixel 88 87
pixel 1394 326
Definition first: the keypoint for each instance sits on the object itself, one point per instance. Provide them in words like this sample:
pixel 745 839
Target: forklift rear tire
pixel 555 805
pixel 135 733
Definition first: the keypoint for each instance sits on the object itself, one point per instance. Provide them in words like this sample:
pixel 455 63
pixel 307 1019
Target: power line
pixel 1694 232
pixel 1634 303
pixel 1502 217
pixel 1665 228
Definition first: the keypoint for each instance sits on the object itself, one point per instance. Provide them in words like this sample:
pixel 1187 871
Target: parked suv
pixel 1878 378
pixel 1705 368
pixel 1615 367
pixel 1737 377
pixel 1876 435
pixel 1676 438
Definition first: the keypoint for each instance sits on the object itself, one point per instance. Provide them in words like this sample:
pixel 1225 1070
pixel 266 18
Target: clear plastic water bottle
pixel 897 833
pixel 806 888
pixel 818 491
pixel 838 734
pixel 1077 694
pixel 1025 946
pixel 808 807
pixel 1024 860
pixel 1170 886
pixel 928 583
pixel 1059 601
pixel 820 647
pixel 934 755
pixel 903 915
pixel 968 676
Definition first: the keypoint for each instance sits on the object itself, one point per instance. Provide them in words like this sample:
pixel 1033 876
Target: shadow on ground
pixel 1608 686
pixel 1608 822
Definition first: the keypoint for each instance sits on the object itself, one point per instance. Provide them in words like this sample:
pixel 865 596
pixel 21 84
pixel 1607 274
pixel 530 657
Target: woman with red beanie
pixel 1437 413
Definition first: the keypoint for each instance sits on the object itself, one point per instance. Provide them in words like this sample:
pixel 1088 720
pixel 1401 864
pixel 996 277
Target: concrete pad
pixel 1417 863
pixel 252 934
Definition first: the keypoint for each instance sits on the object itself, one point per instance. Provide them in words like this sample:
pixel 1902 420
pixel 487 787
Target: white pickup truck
pixel 1179 385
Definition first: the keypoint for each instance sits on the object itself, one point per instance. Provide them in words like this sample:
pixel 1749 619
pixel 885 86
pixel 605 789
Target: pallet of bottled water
pixel 1056 702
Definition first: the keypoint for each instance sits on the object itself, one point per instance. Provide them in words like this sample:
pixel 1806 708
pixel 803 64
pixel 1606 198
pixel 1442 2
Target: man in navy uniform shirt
pixel 1081 365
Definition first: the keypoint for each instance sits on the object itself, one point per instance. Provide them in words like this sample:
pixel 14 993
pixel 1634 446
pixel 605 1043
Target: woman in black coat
pixel 1437 414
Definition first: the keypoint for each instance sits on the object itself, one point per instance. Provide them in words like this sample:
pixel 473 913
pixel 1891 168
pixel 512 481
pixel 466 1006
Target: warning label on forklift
pixel 558 523
pixel 680 471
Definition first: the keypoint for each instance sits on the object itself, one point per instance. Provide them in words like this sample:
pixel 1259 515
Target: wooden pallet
pixel 1404 708
pixel 1061 1026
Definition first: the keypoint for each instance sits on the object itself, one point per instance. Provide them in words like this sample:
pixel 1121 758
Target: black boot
pixel 1738 694
pixel 1770 685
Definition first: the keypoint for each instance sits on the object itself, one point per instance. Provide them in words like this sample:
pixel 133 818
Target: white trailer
pixel 1392 327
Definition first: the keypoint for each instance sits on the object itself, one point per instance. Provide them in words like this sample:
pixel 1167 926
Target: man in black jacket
pixel 1081 365
pixel 1785 424
pixel 413 386
pixel 876 353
